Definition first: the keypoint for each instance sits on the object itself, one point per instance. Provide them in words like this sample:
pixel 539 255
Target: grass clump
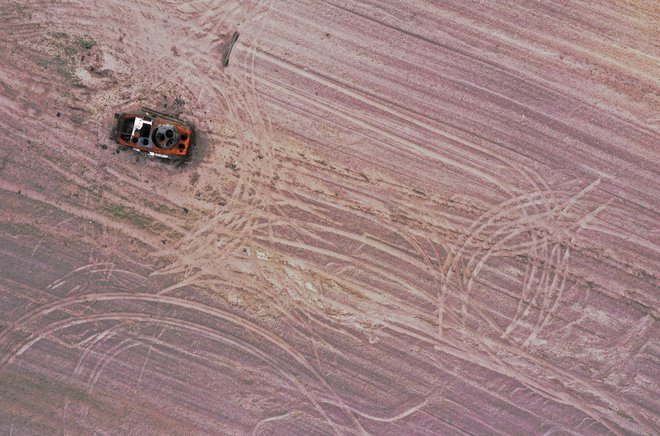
pixel 127 214
pixel 85 42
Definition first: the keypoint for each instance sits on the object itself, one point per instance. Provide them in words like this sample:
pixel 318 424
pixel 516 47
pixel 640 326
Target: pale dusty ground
pixel 400 218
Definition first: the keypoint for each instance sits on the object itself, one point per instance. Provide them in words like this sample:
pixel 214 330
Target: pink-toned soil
pixel 400 218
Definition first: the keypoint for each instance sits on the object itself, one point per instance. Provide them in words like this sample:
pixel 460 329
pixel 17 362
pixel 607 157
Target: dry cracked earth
pixel 403 218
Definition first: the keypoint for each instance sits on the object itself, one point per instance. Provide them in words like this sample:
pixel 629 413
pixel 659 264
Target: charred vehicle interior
pixel 153 133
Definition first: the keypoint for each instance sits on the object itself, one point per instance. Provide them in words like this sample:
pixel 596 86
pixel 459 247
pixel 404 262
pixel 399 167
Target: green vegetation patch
pixel 163 208
pixel 127 214
pixel 85 42
pixel 65 52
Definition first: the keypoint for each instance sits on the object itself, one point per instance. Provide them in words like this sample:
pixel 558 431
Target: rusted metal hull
pixel 154 133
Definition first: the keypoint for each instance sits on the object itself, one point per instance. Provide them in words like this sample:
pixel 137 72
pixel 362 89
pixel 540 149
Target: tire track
pixel 201 249
pixel 18 350
pixel 511 229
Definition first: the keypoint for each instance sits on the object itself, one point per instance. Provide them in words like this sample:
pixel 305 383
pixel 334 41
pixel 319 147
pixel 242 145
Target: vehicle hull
pixel 153 133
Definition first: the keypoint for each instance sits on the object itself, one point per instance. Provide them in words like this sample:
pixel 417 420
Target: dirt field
pixel 400 218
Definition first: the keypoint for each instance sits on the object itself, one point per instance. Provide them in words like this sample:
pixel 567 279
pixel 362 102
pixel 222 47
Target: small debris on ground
pixel 232 41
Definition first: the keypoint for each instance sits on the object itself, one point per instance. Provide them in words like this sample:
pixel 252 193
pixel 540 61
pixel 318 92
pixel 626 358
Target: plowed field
pixel 400 218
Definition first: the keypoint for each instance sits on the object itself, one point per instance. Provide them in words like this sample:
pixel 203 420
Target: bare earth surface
pixel 400 218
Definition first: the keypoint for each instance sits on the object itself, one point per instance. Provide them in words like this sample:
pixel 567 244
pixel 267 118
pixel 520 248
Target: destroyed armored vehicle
pixel 153 133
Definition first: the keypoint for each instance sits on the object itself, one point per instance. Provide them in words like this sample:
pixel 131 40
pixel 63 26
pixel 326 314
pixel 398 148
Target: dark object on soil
pixel 154 133
pixel 225 58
